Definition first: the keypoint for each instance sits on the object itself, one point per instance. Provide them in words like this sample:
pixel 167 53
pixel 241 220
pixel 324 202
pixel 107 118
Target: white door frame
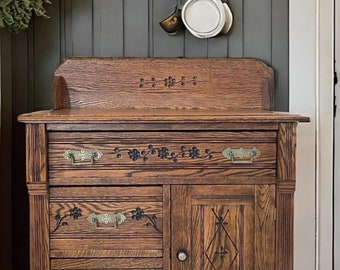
pixel 337 144
pixel 325 128
pixel 311 85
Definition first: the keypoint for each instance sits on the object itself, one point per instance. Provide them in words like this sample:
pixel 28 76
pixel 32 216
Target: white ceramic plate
pixel 204 18
pixel 228 19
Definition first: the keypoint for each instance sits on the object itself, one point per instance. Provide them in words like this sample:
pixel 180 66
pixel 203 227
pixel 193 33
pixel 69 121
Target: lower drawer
pixel 106 222
pixel 95 264
pixel 133 247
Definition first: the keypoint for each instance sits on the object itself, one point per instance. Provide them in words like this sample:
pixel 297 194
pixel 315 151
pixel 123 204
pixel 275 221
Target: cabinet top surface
pixel 158 116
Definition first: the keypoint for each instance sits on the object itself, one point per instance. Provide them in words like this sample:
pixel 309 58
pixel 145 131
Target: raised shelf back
pixel 176 83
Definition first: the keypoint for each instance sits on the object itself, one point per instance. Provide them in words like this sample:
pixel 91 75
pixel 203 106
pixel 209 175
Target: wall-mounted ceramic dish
pixel 204 18
pixel 228 19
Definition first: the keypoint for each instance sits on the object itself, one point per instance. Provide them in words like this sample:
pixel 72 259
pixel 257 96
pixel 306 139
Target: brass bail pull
pixel 106 219
pixel 241 155
pixel 82 157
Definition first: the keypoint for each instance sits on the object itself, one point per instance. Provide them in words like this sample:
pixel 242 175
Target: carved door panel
pixel 223 227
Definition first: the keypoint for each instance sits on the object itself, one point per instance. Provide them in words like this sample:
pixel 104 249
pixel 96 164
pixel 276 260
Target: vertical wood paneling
pixel 163 44
pixel 108 28
pixel 280 52
pixel 46 56
pixel 136 28
pixel 218 46
pixel 195 47
pixel 150 26
pixel 65 29
pixel 5 147
pixel 20 104
pixel 82 31
pixel 257 29
pixel 235 36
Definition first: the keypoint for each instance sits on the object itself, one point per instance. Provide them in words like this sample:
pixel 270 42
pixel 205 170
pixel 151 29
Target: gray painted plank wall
pixel 131 28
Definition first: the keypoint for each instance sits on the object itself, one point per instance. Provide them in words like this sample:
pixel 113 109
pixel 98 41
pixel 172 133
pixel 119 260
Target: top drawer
pixel 117 155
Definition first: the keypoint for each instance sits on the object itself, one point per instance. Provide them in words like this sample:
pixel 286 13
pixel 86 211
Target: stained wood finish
pixel 162 169
pixel 163 84
pixel 138 149
pixel 230 227
pixel 37 184
pixel 133 238
pixel 285 195
pixel 166 227
pixel 181 119
pixel 123 263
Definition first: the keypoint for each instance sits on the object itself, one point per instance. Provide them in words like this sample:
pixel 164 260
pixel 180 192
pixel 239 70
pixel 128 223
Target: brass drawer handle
pixel 249 154
pixel 82 157
pixel 114 219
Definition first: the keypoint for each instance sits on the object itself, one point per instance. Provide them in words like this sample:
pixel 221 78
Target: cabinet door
pixel 223 227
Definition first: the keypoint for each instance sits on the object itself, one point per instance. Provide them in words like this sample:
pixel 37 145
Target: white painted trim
pixel 336 190
pixel 325 130
pixel 311 84
pixel 302 99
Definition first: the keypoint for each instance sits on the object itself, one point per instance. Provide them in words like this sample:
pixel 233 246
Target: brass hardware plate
pixel 82 157
pixel 241 155
pixel 105 219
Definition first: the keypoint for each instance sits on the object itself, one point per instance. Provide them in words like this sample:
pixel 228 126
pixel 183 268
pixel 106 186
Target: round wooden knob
pixel 182 255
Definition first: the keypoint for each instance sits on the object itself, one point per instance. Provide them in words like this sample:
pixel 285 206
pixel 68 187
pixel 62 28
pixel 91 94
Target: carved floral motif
pixel 139 214
pixel 74 213
pixel 168 81
pixel 163 153
pixel 116 219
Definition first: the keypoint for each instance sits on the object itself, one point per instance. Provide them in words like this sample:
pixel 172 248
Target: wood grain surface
pixel 153 163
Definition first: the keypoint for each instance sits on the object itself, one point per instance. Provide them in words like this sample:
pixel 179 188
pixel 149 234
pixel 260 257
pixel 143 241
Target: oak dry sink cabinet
pixel 152 163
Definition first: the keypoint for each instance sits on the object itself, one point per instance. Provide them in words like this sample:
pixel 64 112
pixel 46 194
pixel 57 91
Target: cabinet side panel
pixel 39 236
pixel 284 239
pixel 36 153
pixel 286 152
pixel 36 169
pixel 285 196
pixel 265 227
